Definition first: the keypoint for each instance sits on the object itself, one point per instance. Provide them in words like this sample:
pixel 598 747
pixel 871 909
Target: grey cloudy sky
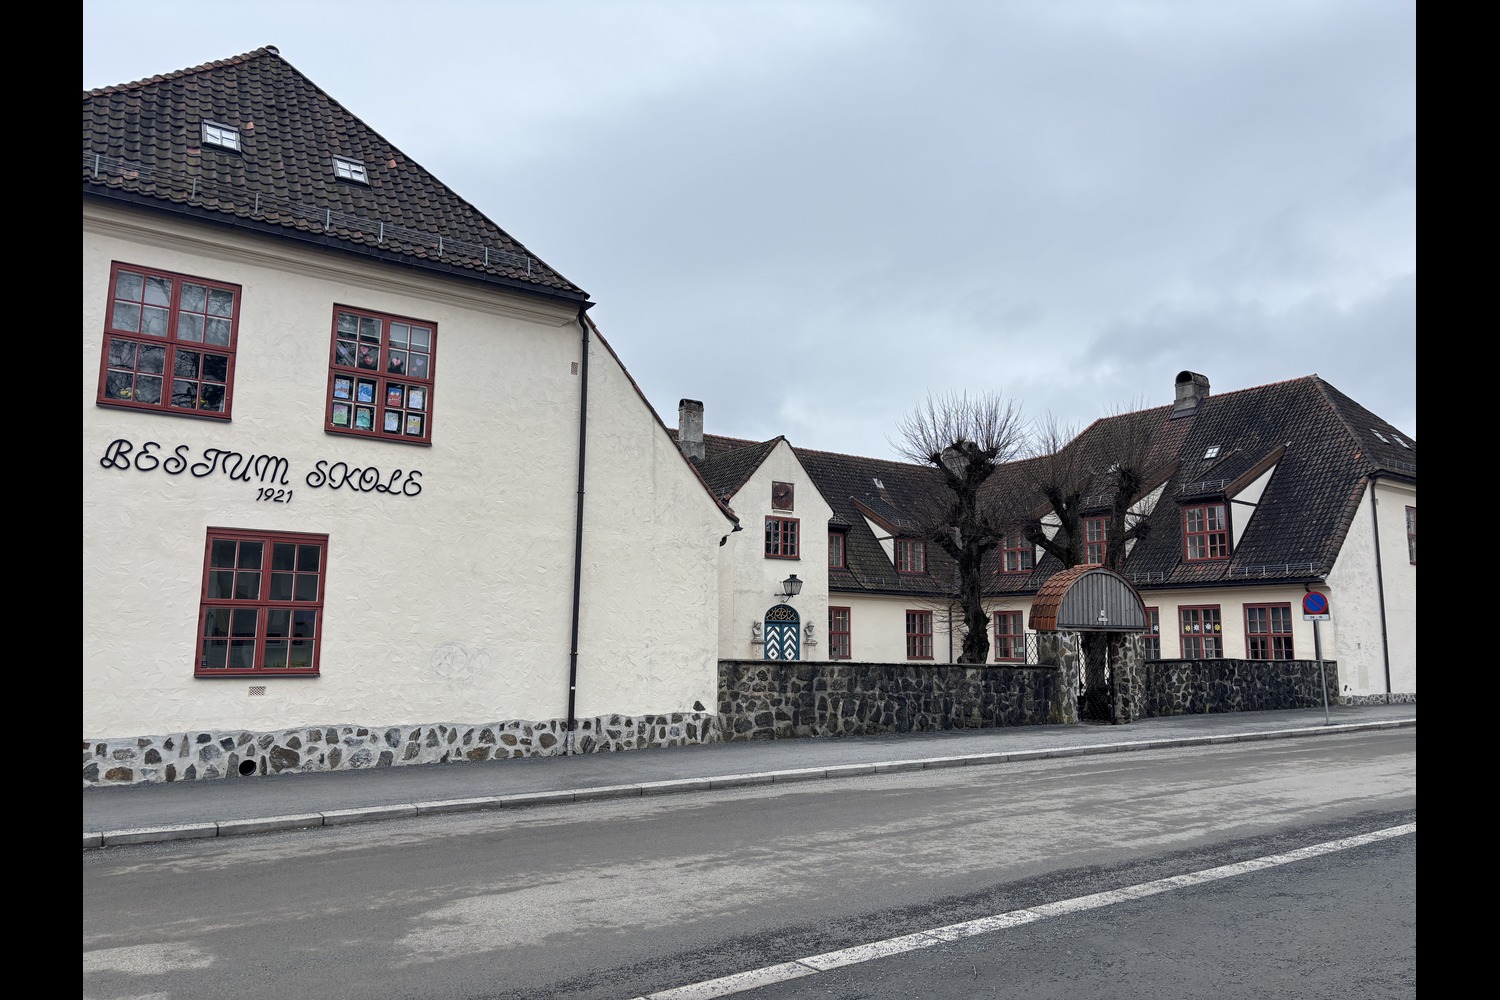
pixel 809 215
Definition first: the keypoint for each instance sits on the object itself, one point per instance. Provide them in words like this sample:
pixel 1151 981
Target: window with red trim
pixel 1152 639
pixel 1202 633
pixel 1268 632
pixel 919 635
pixel 1411 534
pixel 262 605
pixel 839 644
pixel 1205 530
pixel 380 376
pixel 836 550
pixel 169 342
pixel 1017 554
pixel 1095 531
pixel 1010 637
pixel 911 556
pixel 781 537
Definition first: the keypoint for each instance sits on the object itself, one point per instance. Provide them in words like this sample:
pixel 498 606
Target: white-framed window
pixel 350 170
pixel 223 136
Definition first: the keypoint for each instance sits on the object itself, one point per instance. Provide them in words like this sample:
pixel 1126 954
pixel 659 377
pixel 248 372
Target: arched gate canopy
pixel 1088 599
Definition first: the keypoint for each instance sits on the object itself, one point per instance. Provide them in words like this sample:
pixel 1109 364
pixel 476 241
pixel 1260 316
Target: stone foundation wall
pixel 768 699
pixel 196 756
pixel 1394 698
pixel 1184 687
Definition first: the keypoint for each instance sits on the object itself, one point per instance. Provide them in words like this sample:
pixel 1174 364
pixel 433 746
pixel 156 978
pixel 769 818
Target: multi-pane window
pixel 839 645
pixel 836 558
pixel 781 537
pixel 919 635
pixel 911 556
pixel 1202 633
pixel 1206 530
pixel 1010 636
pixel 1152 638
pixel 169 342
pixel 1095 530
pixel 380 376
pixel 223 136
pixel 350 170
pixel 262 604
pixel 1017 554
pixel 1268 631
pixel 1411 534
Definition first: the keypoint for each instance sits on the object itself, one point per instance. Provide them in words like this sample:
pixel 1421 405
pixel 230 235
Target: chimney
pixel 690 428
pixel 1192 389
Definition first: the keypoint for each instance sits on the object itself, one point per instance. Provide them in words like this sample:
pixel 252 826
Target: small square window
pixel 350 170
pixel 223 136
pixel 1212 452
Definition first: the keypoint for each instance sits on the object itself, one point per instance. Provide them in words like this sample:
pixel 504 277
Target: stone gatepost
pixel 1061 651
pixel 1127 657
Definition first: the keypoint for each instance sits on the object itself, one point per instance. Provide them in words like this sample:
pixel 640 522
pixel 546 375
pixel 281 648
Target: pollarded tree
pixel 966 439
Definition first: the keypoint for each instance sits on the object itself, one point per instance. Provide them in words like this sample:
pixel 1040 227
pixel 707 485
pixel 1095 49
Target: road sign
pixel 1314 607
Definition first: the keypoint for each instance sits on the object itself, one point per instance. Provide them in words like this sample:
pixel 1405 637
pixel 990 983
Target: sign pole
pixel 1322 677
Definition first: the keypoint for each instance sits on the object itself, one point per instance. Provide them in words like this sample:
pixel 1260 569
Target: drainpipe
pixel 583 425
pixel 1385 645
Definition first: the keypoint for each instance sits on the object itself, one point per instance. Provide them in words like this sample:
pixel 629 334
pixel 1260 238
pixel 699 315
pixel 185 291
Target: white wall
pixel 1355 598
pixel 452 605
pixel 748 578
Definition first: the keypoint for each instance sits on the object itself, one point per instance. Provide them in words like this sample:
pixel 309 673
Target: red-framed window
pixel 919 635
pixel 1010 637
pixel 169 342
pixel 1202 632
pixel 380 375
pixel 839 636
pixel 1205 530
pixel 781 537
pixel 1095 531
pixel 1152 639
pixel 911 556
pixel 1268 632
pixel 1017 554
pixel 262 603
pixel 1411 534
pixel 836 556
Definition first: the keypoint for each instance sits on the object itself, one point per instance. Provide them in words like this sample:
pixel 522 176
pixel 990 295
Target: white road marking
pixel 742 982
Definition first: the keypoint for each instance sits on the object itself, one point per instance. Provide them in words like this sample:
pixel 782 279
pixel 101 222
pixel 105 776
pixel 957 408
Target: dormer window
pixel 223 136
pixel 1205 530
pixel 911 556
pixel 346 169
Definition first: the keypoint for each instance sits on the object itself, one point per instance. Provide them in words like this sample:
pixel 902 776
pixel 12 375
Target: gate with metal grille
pixel 1095 683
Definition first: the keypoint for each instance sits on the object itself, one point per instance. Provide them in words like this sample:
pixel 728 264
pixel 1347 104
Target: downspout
pixel 1385 644
pixel 583 426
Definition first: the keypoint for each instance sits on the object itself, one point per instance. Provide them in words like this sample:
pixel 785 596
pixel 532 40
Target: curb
pixel 341 817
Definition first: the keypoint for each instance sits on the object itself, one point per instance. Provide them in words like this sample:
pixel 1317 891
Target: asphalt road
pixel 621 898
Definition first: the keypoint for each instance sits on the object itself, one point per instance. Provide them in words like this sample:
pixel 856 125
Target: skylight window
pixel 223 136
pixel 878 484
pixel 1212 452
pixel 1379 435
pixel 350 170
pixel 1401 441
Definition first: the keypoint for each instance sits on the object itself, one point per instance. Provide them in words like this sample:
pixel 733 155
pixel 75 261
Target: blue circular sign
pixel 1314 603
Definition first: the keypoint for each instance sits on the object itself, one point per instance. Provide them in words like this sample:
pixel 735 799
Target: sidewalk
pixel 234 806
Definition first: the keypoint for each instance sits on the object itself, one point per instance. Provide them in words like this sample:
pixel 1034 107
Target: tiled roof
pixel 1321 444
pixel 142 144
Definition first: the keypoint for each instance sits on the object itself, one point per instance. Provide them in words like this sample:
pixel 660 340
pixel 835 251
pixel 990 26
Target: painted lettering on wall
pixel 270 470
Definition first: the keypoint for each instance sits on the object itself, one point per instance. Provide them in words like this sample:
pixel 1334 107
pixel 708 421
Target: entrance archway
pixel 1107 616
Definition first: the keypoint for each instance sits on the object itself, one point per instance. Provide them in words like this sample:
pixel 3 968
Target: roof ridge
pixel 244 57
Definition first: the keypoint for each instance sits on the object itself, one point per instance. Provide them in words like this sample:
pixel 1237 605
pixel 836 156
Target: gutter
pixel 1385 643
pixel 583 427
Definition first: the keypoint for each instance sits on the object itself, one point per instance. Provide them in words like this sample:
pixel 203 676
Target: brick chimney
pixel 1192 389
pixel 690 428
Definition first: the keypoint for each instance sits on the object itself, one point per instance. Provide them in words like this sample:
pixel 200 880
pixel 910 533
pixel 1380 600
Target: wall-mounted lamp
pixel 790 587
